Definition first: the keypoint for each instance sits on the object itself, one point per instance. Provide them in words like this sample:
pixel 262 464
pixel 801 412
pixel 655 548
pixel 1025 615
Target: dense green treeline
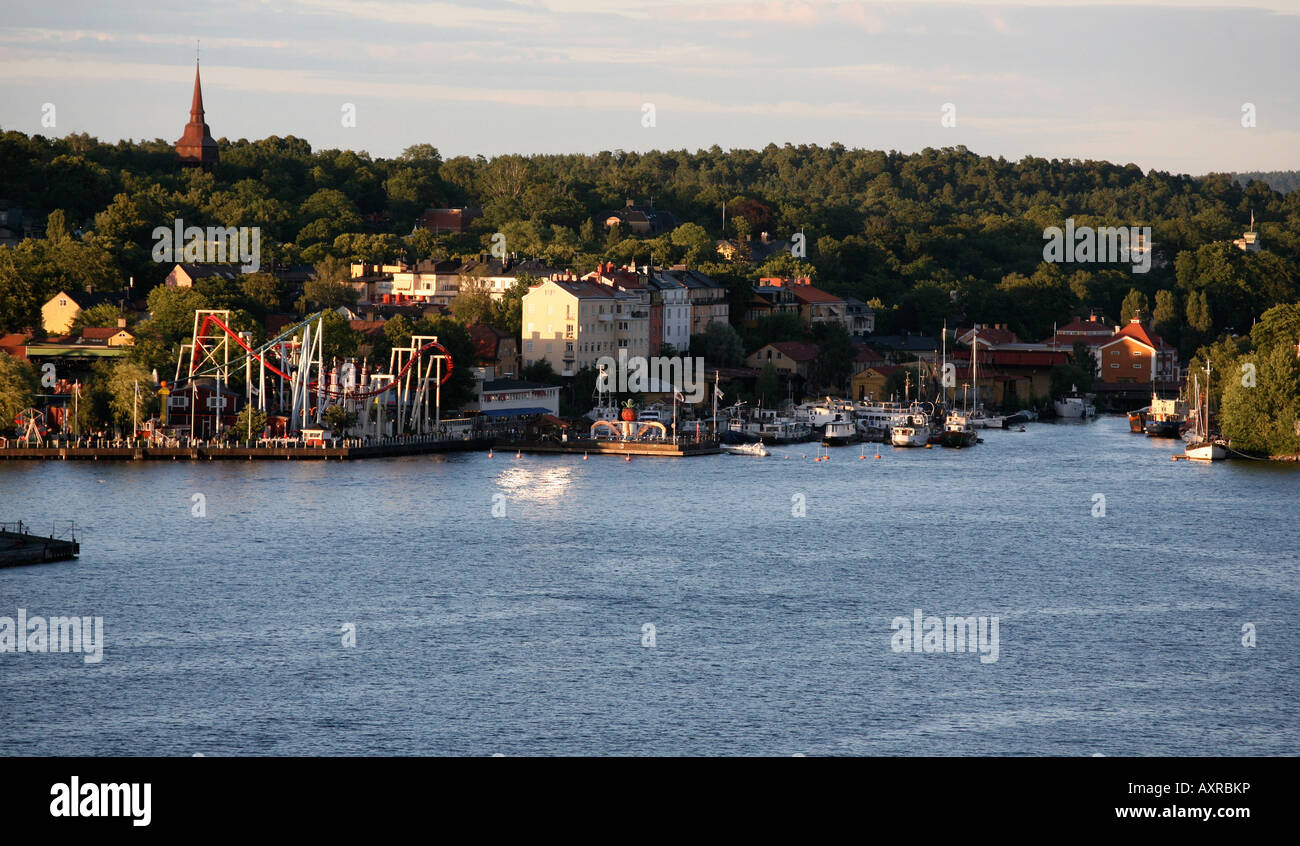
pixel 943 233
pixel 940 235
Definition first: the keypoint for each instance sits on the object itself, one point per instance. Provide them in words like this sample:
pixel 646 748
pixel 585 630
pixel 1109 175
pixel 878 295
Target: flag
pixel 677 396
pixel 717 392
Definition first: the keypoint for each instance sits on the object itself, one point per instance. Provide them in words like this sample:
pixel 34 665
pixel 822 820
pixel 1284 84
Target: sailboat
pixel 1203 446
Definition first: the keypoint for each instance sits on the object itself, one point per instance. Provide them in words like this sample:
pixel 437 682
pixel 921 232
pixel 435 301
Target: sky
pixel 1160 83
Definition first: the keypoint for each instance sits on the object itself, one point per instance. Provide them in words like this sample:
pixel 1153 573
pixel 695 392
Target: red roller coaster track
pixel 315 386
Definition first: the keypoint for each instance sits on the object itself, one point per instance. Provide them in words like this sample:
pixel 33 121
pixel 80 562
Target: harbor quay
pixel 343 449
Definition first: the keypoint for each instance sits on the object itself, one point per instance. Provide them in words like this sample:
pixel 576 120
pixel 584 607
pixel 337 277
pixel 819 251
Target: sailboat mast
pixel 974 371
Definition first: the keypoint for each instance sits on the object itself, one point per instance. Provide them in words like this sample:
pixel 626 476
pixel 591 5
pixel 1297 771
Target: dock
pixel 19 547
pixel 347 451
pixel 586 446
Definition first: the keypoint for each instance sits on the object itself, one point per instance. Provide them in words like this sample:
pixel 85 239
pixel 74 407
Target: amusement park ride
pixel 286 376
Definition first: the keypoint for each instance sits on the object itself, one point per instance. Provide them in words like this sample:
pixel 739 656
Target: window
pixel 1137 367
pixel 528 346
pixel 1116 366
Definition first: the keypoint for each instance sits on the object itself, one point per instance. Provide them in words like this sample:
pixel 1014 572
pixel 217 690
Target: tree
pixel 1164 318
pixel 541 371
pixel 1262 417
pixel 1135 303
pixel 250 424
pixel 331 286
pixel 1279 326
pixel 339 419
pixel 835 355
pixel 130 392
pixel 720 344
pixel 768 387
pixel 17 384
pixel 171 313
pixel 102 316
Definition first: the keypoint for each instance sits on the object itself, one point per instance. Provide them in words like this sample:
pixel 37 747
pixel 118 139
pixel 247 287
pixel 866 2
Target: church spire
pixel 197 147
pixel 196 107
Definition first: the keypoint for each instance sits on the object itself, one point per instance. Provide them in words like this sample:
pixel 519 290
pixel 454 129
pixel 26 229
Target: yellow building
pixel 572 323
pixel 59 312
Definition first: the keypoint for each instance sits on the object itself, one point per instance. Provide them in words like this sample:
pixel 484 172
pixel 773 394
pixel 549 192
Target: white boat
pixel 839 432
pixel 913 433
pixel 756 449
pixel 909 436
pixel 1075 406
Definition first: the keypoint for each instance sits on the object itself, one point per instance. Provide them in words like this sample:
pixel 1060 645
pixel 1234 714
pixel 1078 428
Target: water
pixel 522 634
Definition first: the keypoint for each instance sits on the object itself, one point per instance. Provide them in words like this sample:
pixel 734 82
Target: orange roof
pixel 809 294
pixel 1138 332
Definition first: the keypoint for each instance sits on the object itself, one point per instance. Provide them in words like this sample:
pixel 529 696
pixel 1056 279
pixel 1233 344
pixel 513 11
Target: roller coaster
pixel 301 389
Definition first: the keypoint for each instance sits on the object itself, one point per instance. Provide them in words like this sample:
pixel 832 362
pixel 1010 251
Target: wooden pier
pixel 19 547
pixel 584 446
pixel 345 451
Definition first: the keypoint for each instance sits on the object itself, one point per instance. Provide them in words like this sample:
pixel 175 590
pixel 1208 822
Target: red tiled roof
pixel 795 350
pixel 1139 332
pixel 15 345
pixel 100 333
pixel 487 340
pixel 866 355
pixel 990 335
pixel 1081 330
pixel 369 328
pixel 809 294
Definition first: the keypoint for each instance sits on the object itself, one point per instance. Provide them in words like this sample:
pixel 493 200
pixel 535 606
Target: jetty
pixel 18 546
pixel 343 449
pixel 625 448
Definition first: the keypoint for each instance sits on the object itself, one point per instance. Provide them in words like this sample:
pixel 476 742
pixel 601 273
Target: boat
pixel 913 433
pixel 839 432
pixel 1137 420
pixel 1166 419
pixel 957 432
pixel 756 449
pixel 1074 405
pixel 1205 446
pixel 909 436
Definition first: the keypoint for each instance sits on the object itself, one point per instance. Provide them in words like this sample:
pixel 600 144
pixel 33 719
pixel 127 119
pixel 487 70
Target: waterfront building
pixel 572 323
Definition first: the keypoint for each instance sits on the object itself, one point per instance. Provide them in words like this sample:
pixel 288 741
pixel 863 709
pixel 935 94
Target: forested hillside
pixel 941 234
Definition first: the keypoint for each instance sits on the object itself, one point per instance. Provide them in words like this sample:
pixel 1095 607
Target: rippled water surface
pixel 522 634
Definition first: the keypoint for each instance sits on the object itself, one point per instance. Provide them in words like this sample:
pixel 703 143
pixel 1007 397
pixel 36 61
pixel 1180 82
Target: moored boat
pixel 1166 419
pixel 1137 420
pixel 958 433
pixel 1204 445
pixel 1075 406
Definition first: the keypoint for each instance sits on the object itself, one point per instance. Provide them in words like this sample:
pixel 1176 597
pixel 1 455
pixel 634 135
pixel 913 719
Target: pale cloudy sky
pixel 1160 83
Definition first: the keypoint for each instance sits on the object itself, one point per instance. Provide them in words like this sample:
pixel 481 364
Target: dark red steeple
pixel 197 148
